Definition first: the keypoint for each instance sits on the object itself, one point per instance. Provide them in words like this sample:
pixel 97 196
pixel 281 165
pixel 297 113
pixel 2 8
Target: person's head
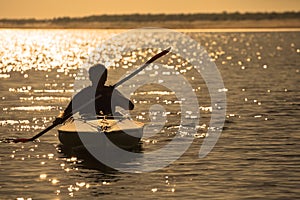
pixel 98 75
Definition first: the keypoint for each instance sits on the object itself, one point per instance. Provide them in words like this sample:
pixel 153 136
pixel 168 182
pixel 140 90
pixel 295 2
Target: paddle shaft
pixel 151 60
pixel 43 132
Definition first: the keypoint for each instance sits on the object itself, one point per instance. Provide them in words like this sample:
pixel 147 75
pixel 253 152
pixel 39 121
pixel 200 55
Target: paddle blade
pixel 23 140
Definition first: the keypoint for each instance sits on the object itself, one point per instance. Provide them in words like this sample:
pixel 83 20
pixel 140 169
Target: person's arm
pixel 122 101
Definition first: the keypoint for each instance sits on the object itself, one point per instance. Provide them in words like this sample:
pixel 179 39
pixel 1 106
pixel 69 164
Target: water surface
pixel 257 155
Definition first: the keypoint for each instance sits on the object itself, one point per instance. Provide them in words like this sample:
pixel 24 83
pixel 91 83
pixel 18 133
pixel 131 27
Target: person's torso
pixel 98 101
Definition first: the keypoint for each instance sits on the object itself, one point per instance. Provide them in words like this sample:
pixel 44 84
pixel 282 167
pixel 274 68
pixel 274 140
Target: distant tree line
pixel 162 17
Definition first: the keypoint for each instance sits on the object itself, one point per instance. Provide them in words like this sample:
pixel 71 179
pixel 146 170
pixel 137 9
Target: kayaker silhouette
pixel 87 101
pixel 106 98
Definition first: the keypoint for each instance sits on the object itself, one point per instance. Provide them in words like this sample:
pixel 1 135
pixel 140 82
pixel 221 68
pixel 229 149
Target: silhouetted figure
pixel 106 98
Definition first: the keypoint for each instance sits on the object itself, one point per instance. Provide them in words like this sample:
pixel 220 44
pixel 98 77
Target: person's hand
pixel 58 120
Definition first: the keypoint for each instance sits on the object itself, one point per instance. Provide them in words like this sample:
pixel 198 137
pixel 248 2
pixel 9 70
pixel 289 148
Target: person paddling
pixel 92 98
pixel 106 98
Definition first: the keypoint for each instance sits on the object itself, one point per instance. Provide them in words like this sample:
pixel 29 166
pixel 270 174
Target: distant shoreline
pixel 203 24
pixel 171 21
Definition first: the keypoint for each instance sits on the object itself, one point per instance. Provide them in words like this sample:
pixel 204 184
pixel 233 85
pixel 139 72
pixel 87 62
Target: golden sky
pixel 77 8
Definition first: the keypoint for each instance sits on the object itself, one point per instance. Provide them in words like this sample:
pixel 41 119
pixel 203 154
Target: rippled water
pixel 257 155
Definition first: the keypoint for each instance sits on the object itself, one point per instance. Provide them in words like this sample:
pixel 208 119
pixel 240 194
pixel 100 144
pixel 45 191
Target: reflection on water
pixel 257 155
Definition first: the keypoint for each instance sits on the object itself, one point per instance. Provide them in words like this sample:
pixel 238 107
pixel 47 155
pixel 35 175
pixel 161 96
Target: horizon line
pixel 156 14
